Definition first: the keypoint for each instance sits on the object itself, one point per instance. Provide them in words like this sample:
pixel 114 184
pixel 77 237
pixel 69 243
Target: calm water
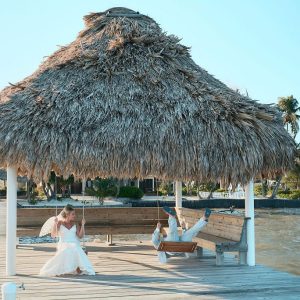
pixel 278 239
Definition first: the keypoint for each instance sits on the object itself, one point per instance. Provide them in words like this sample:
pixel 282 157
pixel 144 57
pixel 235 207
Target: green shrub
pixel 162 192
pixel 32 201
pixel 293 195
pixel 261 189
pixel 207 187
pixel 191 192
pixel 258 190
pixel 164 189
pixel 281 195
pixel 284 192
pixel 131 192
pixel 102 187
pixel 32 197
pixel 40 192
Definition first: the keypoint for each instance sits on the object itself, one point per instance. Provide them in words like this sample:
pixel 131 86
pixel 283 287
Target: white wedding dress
pixel 69 256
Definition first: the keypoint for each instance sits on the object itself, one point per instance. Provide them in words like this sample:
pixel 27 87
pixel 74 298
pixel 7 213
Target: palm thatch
pixel 126 100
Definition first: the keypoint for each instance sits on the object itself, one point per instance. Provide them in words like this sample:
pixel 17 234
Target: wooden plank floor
pixel 131 270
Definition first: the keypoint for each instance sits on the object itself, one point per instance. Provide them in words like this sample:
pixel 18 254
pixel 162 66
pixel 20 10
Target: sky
pixel 251 45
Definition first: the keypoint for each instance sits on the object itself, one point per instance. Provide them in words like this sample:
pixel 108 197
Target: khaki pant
pixel 187 235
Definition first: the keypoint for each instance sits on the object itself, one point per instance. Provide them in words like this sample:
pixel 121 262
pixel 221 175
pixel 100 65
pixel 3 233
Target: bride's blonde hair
pixel 66 211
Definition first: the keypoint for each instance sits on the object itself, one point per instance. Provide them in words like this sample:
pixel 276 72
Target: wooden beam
pixel 94 215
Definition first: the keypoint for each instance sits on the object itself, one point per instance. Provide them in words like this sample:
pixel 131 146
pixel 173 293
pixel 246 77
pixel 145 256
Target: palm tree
pixel 293 176
pixel 289 107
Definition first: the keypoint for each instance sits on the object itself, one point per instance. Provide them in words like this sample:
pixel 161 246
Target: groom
pixel 186 236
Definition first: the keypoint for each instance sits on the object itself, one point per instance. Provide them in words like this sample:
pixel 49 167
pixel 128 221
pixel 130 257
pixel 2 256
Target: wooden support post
pixel 249 213
pixel 137 183
pixel 219 258
pixel 199 251
pixel 83 186
pixel 242 257
pixel 222 184
pixel 178 194
pixel 109 240
pixel 11 221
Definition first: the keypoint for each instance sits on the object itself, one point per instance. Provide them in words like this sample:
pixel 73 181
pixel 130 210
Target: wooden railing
pixel 110 220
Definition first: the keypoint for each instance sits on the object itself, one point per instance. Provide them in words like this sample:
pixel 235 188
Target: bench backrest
pixel 106 216
pixel 221 225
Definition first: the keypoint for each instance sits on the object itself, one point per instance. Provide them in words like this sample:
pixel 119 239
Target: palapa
pixel 126 100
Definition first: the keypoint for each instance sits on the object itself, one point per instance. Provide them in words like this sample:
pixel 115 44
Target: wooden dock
pixel 130 270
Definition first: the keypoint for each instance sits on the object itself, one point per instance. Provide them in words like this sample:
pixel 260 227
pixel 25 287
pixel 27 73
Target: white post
pixel 9 291
pixel 249 212
pixel 11 221
pixel 178 194
pixel 137 183
pixel 83 186
pixel 153 184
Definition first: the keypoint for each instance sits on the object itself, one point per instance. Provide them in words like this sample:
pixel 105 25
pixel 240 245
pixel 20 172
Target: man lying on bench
pixel 186 236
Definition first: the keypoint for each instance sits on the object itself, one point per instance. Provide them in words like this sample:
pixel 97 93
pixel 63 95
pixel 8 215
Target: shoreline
pixel 152 201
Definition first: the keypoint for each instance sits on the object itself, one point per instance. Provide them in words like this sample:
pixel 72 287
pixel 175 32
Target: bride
pixel 69 257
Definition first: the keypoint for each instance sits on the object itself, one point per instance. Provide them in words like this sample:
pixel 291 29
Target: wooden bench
pixel 223 233
pixel 103 220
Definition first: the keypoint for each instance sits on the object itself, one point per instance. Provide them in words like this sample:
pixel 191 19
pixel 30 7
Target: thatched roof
pixel 126 100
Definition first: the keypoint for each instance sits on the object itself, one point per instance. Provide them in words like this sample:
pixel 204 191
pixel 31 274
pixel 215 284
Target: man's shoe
pixel 169 211
pixel 207 213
